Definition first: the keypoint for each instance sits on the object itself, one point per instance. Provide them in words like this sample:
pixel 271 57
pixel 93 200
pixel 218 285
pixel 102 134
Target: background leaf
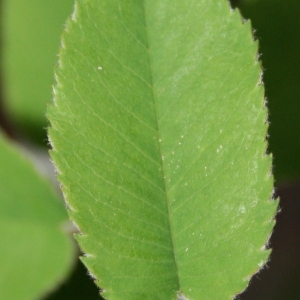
pixel 158 132
pixel 35 252
pixel 30 41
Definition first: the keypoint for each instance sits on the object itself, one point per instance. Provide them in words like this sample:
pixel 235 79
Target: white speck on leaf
pixel 242 209
pixel 99 68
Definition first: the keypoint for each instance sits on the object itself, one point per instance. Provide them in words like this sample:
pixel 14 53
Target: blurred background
pixel 30 31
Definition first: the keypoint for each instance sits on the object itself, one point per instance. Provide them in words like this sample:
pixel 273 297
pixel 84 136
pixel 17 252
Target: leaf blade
pixel 145 108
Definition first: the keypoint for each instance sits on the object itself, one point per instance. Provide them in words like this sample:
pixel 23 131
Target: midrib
pixel 160 142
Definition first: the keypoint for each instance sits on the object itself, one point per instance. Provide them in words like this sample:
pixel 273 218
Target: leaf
pixel 158 132
pixel 35 251
pixel 31 33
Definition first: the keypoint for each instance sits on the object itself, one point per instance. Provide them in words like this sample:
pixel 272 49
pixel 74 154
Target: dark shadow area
pixel 234 3
pixel 79 286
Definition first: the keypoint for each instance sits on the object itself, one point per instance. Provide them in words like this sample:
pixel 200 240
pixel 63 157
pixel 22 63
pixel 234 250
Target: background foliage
pixel 277 26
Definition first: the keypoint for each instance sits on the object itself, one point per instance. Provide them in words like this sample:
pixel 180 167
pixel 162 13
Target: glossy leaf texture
pixel 158 130
pixel 36 252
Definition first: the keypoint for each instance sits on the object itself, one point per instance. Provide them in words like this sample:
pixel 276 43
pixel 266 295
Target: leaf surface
pixel 158 132
pixel 35 251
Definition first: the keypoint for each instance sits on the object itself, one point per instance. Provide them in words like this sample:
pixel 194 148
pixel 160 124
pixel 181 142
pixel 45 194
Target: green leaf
pixel 158 132
pixel 31 32
pixel 35 251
